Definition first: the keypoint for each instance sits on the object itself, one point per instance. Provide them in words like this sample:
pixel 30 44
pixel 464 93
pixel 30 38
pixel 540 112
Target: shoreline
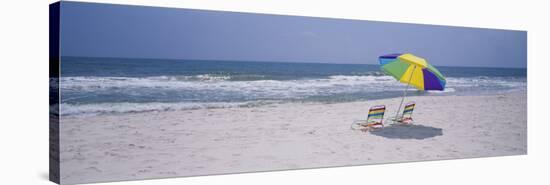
pixel 287 136
pixel 191 106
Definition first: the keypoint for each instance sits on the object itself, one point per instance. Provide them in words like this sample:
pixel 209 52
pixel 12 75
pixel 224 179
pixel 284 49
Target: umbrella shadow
pixel 408 132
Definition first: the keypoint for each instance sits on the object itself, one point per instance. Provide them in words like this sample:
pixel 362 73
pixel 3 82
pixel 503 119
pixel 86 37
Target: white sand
pixel 286 136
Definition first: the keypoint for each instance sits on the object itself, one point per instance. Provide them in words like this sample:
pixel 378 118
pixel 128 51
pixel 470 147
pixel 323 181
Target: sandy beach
pixel 286 136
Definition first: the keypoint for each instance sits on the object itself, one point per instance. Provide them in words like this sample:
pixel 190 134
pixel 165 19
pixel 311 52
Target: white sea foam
pixel 213 91
pixel 361 78
pixel 258 88
pixel 107 108
pixel 483 81
pixel 223 83
pixel 205 81
pixel 446 90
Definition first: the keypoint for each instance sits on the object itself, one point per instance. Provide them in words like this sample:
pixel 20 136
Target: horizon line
pixel 269 61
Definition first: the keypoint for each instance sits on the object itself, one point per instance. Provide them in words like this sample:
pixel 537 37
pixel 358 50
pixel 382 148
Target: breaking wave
pixel 100 95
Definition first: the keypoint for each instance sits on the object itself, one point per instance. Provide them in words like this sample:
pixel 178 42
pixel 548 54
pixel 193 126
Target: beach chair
pixel 374 119
pixel 406 117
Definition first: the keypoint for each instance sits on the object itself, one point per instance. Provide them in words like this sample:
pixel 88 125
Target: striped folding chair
pixel 406 118
pixel 374 119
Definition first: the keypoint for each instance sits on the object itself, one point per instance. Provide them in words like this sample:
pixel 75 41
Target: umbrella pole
pixel 404 94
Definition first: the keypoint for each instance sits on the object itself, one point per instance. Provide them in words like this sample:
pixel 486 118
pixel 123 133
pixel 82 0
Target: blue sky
pixel 105 30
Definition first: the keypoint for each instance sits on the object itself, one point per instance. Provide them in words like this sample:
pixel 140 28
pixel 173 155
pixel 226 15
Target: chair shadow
pixel 408 132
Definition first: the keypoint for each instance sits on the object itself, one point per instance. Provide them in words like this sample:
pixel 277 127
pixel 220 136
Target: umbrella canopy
pixel 412 70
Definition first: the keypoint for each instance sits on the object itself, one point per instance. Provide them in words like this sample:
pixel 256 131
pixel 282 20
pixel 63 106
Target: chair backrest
pixel 408 111
pixel 376 113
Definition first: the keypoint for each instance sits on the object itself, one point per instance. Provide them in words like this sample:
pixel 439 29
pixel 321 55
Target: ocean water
pixel 91 86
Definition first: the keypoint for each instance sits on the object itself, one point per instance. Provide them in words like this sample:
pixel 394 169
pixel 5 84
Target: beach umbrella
pixel 413 71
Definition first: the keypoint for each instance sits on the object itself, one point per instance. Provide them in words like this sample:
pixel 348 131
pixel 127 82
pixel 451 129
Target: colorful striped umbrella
pixel 412 70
